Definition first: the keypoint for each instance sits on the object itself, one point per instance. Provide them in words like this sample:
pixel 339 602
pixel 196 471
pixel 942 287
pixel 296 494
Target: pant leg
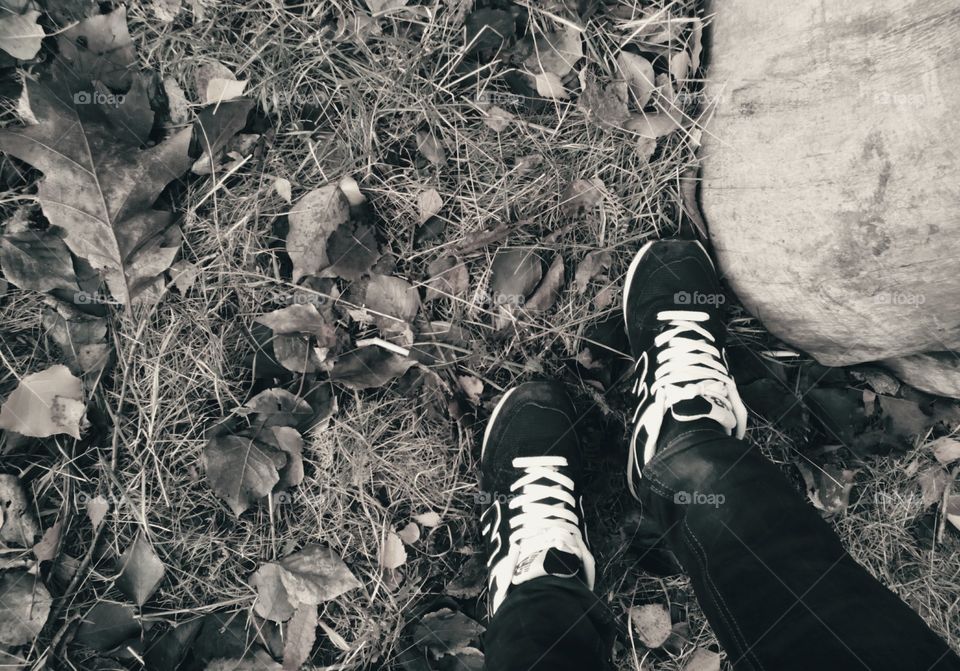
pixel 774 580
pixel 549 624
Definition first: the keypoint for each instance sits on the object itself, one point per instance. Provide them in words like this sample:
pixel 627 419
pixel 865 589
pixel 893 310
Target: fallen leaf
pixel 100 48
pixel 514 274
pixel 278 407
pixel 300 319
pixel 946 450
pixel 216 130
pixel 46 549
pixel 933 481
pixel 382 6
pixel 447 277
pixel 652 624
pixel 20 35
pixel 429 519
pixel 177 102
pixel 471 386
pixel 638 72
pixel 409 534
pixel 592 265
pixel 283 188
pixel 446 632
pixel 313 220
pixel 497 118
pixel 339 641
pixel 429 203
pixel 272 602
pixel 550 86
pixel 679 65
pixel 952 511
pixel 314 575
pixel 241 470
pixel 17 524
pixel 169 650
pixel 604 101
pixel 108 218
pixel 581 195
pixel 828 487
pixel 36 260
pixel 183 274
pixel 392 555
pixel 470 580
pixel 216 83
pixel 288 440
pixel 555 52
pixel 24 607
pixel 45 404
pixel 548 292
pixel 430 148
pixel 257 660
pixel 106 625
pixel 703 659
pixel 904 418
pixel 301 633
pixel 653 126
pixel 395 301
pixel 141 571
pixel 352 249
pixel 166 10
pixel 97 508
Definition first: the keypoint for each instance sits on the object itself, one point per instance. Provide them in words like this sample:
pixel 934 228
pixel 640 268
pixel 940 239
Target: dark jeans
pixel 773 579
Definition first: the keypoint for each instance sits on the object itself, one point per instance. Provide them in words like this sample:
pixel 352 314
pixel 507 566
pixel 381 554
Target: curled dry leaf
pixel 24 607
pixel 45 404
pixel 141 571
pixel 592 265
pixel 548 292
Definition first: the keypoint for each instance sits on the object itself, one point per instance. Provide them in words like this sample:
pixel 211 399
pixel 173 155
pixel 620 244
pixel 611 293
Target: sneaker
pixel 673 312
pixel 533 524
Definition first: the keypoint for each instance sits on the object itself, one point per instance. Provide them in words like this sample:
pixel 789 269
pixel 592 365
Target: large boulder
pixel 831 176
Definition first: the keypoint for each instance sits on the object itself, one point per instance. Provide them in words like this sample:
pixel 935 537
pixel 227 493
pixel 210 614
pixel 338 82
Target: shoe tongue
pixel 552 561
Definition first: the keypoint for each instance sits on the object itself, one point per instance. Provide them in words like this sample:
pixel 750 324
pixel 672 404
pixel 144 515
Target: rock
pixel 831 186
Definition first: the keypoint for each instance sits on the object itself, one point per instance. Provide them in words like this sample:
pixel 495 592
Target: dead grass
pixel 341 108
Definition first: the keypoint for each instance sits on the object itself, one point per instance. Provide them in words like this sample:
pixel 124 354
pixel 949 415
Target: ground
pixel 332 103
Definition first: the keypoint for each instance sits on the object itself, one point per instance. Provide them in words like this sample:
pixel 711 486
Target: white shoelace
pixel 540 526
pixel 686 368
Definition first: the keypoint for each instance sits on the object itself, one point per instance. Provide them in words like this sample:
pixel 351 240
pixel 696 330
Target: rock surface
pixel 831 176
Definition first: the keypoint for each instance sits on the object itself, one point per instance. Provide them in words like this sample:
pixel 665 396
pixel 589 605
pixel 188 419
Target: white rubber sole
pixel 493 417
pixel 628 281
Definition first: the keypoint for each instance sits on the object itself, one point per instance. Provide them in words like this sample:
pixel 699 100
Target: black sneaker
pixel 673 312
pixel 533 523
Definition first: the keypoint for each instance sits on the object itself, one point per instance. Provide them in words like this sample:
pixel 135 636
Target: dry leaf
pixel 106 625
pixel 24 607
pixel 581 195
pixel 592 265
pixel 933 481
pixel 45 404
pixel 446 632
pixel 428 519
pixel 17 524
pixel 283 188
pixel 278 407
pixel 549 85
pixel 20 34
pixel 548 292
pixel 395 301
pixel 472 387
pixel 177 101
pixel 946 450
pixel 447 277
pixel 430 148
pixel 409 534
pixel 555 52
pixel 46 549
pixel 312 221
pixel 339 641
pixel 651 622
pixel 638 72
pixel 429 203
pixel 314 575
pixel 703 659
pixel 653 126
pixel 497 118
pixel 216 83
pixel 241 470
pixel 301 633
pixel 300 319
pixel 392 555
pixel 952 511
pixel 183 274
pixel 272 602
pixel 109 220
pixel 514 274
pixel 166 10
pixel 97 508
pixel 141 571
